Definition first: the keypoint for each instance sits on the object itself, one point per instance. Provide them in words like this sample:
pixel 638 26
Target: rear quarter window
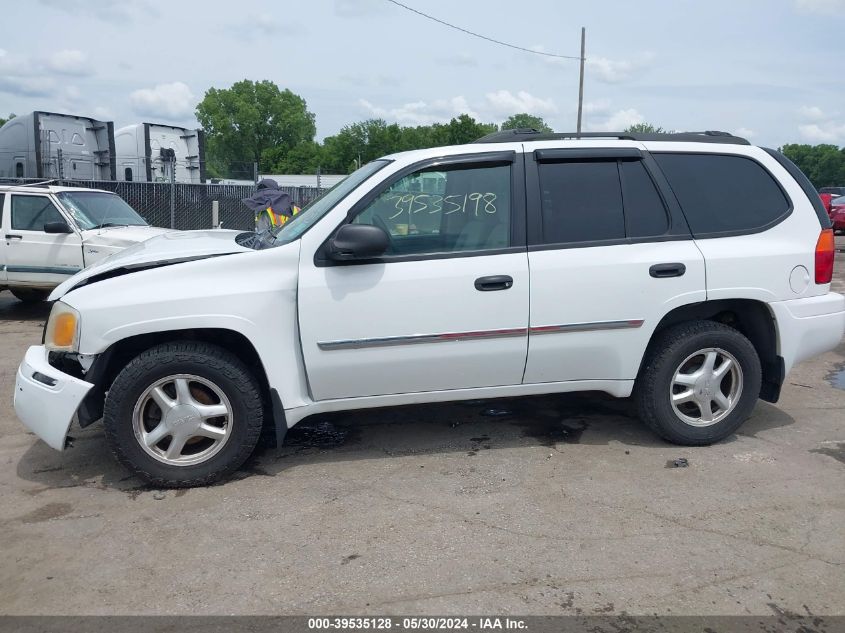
pixel 724 194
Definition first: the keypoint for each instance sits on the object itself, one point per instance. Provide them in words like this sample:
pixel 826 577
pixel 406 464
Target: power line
pixel 478 35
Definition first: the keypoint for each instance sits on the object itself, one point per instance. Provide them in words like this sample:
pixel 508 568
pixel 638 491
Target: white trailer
pixel 147 152
pixel 52 145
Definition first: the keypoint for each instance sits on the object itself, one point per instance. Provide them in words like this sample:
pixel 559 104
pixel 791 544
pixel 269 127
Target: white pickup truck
pixel 50 233
pixel 690 270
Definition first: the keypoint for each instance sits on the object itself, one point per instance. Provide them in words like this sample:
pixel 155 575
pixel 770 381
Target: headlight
pixel 62 332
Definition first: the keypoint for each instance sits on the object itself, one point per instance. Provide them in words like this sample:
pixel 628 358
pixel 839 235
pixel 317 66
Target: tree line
pixel 256 121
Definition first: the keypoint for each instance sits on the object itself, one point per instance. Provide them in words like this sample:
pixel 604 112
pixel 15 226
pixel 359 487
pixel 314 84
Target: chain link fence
pixel 183 206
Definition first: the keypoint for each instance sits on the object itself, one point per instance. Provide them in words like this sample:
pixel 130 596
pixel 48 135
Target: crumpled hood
pixel 167 248
pixel 121 236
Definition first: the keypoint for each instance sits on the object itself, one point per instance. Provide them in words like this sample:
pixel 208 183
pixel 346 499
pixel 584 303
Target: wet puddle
pixel 836 378
pixel 319 435
pixel 551 432
pixel 836 450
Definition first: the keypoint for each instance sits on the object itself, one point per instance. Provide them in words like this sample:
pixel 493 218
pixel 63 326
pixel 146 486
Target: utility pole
pixel 581 79
pixel 173 191
pixel 255 172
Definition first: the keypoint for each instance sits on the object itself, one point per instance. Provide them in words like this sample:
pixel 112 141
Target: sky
pixel 770 70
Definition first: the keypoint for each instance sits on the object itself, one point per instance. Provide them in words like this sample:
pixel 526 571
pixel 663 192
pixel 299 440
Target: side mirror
pixel 57 227
pixel 358 241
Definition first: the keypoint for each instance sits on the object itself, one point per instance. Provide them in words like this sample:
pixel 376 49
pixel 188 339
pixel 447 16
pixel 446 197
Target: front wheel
pixel 183 414
pixel 30 295
pixel 699 383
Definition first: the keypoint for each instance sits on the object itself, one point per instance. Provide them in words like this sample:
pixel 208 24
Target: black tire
pixel 209 362
pixel 665 355
pixel 30 295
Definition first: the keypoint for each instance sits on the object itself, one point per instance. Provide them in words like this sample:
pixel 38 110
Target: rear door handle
pixel 493 282
pixel 661 271
pixel 13 237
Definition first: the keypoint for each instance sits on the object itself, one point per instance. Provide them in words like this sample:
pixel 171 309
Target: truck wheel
pixel 699 383
pixel 183 414
pixel 30 295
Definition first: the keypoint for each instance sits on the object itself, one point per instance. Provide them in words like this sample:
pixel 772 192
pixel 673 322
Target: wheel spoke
pixel 162 399
pixel 706 410
pixel 722 401
pixel 177 443
pixel 724 368
pixel 213 432
pixel 684 396
pixel 687 380
pixel 709 362
pixel 211 410
pixel 183 391
pixel 156 435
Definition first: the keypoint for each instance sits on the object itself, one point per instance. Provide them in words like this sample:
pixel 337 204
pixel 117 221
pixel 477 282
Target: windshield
pixel 838 201
pixel 98 209
pixel 312 213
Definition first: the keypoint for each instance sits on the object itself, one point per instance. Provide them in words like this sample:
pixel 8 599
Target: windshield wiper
pixel 105 225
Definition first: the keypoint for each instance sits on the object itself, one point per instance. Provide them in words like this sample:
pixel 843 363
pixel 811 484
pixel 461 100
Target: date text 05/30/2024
pixel 417 623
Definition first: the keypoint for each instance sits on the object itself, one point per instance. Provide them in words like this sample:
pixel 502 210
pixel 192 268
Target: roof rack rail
pixel 40 183
pixel 530 134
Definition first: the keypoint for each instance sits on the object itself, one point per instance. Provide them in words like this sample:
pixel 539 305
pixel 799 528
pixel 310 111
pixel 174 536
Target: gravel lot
pixel 561 505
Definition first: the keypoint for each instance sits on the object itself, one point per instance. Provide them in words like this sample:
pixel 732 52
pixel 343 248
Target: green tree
pixel 823 164
pixel 644 128
pixel 251 117
pixel 525 120
pixel 8 118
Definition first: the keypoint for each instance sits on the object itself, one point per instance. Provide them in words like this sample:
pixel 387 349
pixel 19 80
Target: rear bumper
pixel 809 327
pixel 46 399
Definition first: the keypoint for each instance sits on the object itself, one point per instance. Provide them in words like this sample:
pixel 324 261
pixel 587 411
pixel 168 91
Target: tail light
pixel 825 250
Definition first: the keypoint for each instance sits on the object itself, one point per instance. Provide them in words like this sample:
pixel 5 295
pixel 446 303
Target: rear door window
pixel 722 194
pixel 599 200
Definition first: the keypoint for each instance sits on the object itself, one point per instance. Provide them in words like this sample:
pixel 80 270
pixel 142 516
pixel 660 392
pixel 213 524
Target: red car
pixel 837 214
pixel 826 199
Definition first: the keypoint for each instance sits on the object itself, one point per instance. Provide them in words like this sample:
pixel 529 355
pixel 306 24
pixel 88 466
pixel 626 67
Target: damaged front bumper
pixel 46 399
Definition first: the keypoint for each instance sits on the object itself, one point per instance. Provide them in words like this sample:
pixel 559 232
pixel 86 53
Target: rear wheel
pixel 699 383
pixel 30 295
pixel 183 414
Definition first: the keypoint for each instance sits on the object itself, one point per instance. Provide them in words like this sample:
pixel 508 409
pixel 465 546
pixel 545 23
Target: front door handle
pixel 13 237
pixel 493 282
pixel 661 271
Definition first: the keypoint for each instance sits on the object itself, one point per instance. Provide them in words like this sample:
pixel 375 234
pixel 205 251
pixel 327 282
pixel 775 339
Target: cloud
pixel 458 59
pixel 820 126
pixel 68 62
pixel 264 25
pixel 357 8
pixel 823 7
pixel 613 71
pixel 811 113
pixel 827 132
pixel 107 10
pixel 18 77
pixel 615 121
pixel 421 112
pixel 503 102
pixel 600 106
pixel 168 101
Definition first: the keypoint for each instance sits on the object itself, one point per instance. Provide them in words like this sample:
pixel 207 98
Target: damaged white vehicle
pixel 51 233
pixel 691 271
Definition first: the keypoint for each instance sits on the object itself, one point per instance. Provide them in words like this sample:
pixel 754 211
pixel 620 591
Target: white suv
pixel 692 270
pixel 50 233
